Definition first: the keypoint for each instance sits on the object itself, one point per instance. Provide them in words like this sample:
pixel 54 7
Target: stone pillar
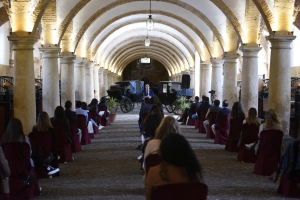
pixel 67 78
pixel 249 89
pixel 179 77
pixel 89 81
pixel 206 79
pixel 24 90
pixel 101 82
pixel 192 76
pixel 280 78
pixel 96 82
pixel 79 74
pixel 105 83
pixel 230 79
pixel 50 79
pixel 217 78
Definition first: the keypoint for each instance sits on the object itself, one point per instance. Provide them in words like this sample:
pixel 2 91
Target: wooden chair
pixel 102 119
pixel 201 120
pixel 63 146
pixel 179 191
pixel 81 124
pixel 152 160
pixel 249 135
pixel 212 120
pixel 268 155
pixel 234 131
pixel 223 129
pixel 75 146
pixel 18 154
pixel 41 143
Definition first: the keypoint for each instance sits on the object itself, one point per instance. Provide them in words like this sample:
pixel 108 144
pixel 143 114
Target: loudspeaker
pixel 185 81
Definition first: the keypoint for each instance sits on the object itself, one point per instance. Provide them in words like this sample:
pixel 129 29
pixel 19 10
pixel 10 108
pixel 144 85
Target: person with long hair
pixel 179 164
pixel 237 111
pixel 252 117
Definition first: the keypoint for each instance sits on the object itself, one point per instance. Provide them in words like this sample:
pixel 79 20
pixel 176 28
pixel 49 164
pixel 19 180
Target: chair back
pixel 250 133
pixel 152 160
pixel 235 130
pixel 202 114
pixel 41 143
pixel 73 126
pixel 61 133
pixel 93 115
pixel 81 124
pixel 212 120
pixel 223 129
pixel 75 146
pixel 179 191
pixel 102 108
pixel 102 119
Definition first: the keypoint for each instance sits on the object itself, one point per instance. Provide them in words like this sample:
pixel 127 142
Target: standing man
pixel 147 92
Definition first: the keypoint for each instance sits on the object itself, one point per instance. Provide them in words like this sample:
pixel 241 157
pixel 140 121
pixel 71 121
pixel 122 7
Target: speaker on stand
pixel 185 83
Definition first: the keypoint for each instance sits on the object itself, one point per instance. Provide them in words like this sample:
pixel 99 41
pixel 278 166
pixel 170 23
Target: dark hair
pixel 102 100
pixel 203 97
pixel 252 116
pixel 237 111
pixel 176 150
pixel 84 106
pixel 216 102
pixel 59 114
pixel 151 123
pixel 196 98
pixel 225 103
pixel 68 104
pixel 78 104
pixel 155 109
pixel 207 99
pixel 94 102
pixel 152 100
pixel 146 100
pixel 14 131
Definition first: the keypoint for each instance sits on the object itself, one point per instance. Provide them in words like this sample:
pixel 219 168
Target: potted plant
pixel 112 107
pixel 181 105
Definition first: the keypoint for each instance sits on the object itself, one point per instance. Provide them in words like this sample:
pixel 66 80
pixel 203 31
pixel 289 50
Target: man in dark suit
pixel 224 111
pixel 188 112
pixel 147 92
pixel 214 109
pixel 68 112
pixel 203 106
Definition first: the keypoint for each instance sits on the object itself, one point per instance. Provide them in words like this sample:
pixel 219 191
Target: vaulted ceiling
pixel 112 32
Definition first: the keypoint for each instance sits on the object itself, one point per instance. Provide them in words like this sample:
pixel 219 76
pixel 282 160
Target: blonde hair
pixel 271 118
pixel 43 122
pixel 167 125
pixel 251 119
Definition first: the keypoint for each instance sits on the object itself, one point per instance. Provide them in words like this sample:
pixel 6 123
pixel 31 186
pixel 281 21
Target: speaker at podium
pixel 185 81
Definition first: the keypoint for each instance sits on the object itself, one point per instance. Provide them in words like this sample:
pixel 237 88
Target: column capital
pixel 280 41
pixel 96 67
pixel 22 43
pixel 250 52
pixel 50 52
pixel 101 70
pixel 105 71
pixel 79 62
pixel 89 64
pixel 205 65
pixel 67 59
pixel 217 63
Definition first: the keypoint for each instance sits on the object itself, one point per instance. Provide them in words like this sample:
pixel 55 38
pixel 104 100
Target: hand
pixel 273 177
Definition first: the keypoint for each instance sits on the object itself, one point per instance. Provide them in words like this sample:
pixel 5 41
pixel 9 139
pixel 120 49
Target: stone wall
pixel 6 70
pixel 295 71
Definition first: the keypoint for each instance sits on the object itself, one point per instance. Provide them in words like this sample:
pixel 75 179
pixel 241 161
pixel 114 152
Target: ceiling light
pixel 150 22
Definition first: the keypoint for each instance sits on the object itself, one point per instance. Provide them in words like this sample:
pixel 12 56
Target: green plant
pixel 183 106
pixel 182 103
pixel 112 105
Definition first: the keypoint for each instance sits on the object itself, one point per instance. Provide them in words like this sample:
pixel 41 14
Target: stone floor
pixel 108 168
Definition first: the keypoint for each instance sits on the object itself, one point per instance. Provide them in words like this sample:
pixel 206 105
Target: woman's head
pixel 271 118
pixel 252 119
pixel 237 110
pixel 167 125
pixel 94 102
pixel 151 123
pixel 102 100
pixel 43 122
pixel 176 150
pixel 59 113
pixel 84 106
pixel 14 131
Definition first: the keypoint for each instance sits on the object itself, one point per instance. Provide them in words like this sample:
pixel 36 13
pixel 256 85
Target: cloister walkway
pixel 108 168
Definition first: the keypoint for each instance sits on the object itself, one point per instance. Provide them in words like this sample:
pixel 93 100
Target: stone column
pixel 96 82
pixel 230 79
pixel 79 74
pixel 192 76
pixel 89 81
pixel 217 78
pixel 179 77
pixel 67 78
pixel 206 79
pixel 105 83
pixel 249 89
pixel 50 79
pixel 280 78
pixel 101 82
pixel 24 90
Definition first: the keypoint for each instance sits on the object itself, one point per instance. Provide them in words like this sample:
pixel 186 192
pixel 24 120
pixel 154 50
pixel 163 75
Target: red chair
pixel 249 135
pixel 289 187
pixel 81 124
pixel 190 121
pixel 152 160
pixel 196 123
pixel 41 143
pixel 63 147
pixel 212 120
pixel 16 158
pixel 75 146
pixel 223 129
pixel 93 115
pixel 234 131
pixel 201 120
pixel 102 119
pixel 179 191
pixel 268 155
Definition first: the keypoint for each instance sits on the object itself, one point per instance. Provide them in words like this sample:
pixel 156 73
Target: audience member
pixel 195 116
pixel 4 174
pixel 213 109
pixel 68 112
pixel 237 111
pixel 102 103
pixel 179 164
pixel 80 111
pixel 188 112
pixel 144 109
pixel 223 111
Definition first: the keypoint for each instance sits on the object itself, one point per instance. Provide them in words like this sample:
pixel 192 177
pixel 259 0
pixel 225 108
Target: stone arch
pixel 3 16
pixel 266 13
pixel 38 13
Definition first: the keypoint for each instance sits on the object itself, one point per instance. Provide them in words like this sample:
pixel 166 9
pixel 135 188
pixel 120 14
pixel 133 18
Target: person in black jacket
pixel 68 112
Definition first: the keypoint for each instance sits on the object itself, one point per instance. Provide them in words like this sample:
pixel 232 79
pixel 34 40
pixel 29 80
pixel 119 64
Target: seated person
pixel 103 103
pixel 215 108
pixel 224 111
pixel 145 109
pixel 147 92
pixel 68 112
pixel 91 122
pixel 188 112
pixel 203 106
pixel 195 116
pixel 179 164
pixel 80 111
pixel 93 105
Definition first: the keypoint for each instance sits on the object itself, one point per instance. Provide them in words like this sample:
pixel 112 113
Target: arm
pixel 207 114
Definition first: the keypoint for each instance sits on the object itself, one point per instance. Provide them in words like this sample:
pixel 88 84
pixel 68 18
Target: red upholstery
pixel 152 160
pixel 102 119
pixel 289 187
pixel 196 123
pixel 75 146
pixel 144 116
pixel 249 135
pixel 223 129
pixel 212 120
pixel 201 120
pixel 190 121
pixel 268 155
pixel 179 191
pixel 234 131
pixel 63 147
pixel 14 156
pixel 93 115
pixel 41 143
pixel 81 124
